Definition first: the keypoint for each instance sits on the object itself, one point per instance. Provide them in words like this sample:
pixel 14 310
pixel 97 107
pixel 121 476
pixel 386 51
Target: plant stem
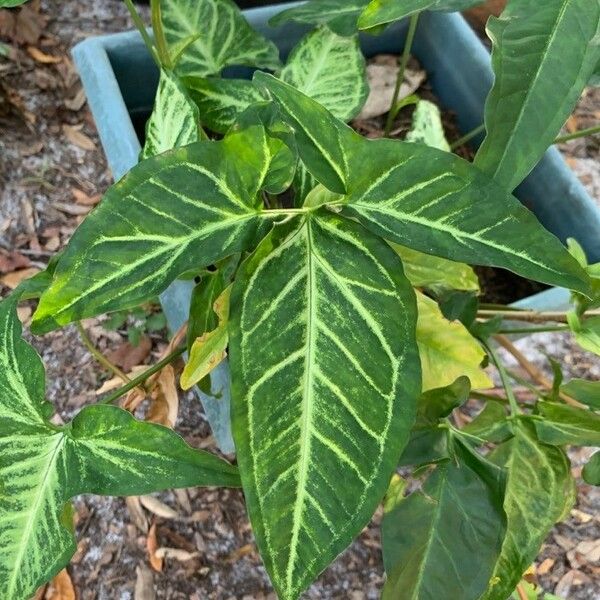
pixel 159 35
pixel 531 316
pixel 512 400
pixel 526 330
pixel 87 342
pixel 467 137
pixel 145 375
pixel 412 28
pixel 578 134
pixel 137 20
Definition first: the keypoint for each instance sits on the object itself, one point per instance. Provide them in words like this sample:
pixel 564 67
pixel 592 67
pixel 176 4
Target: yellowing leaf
pixel 447 349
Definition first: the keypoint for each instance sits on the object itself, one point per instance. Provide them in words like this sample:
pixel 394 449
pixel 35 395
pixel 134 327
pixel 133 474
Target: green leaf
pixel 564 424
pixel 202 316
pixel 382 12
pixel 438 403
pixel 544 54
pixel 224 37
pixel 304 183
pixel 539 486
pixel 178 211
pixel 586 392
pixel 427 127
pixel 330 69
pixel 447 349
pixel 423 198
pixel 103 451
pixel 319 292
pixel 175 120
pixel 595 78
pixel 340 16
pixel 426 445
pixel 222 101
pixel 443 541
pixel 11 3
pixel 586 332
pixel 490 424
pixel 591 471
pixel 208 349
pixel 434 273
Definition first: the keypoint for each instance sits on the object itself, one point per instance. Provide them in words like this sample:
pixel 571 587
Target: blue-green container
pixel 120 81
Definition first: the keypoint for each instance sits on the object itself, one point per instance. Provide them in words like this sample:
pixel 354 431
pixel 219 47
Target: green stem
pixel 512 400
pixel 412 28
pixel 528 330
pixel 467 137
pixel 137 20
pixel 145 375
pixel 159 35
pixel 578 134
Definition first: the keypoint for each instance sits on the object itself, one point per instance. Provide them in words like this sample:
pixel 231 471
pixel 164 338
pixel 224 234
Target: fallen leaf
pixel 82 198
pixel 61 587
pixel 138 516
pixel 160 509
pixel 176 553
pixel 72 209
pixel 581 516
pixel 164 404
pixel 570 579
pixel 12 280
pixel 144 584
pixel 74 134
pixel 589 551
pixel 32 149
pixel 127 356
pixel 11 261
pixel 41 57
pixel 545 566
pixel 116 382
pixel 151 546
pixel 24 314
pixel 76 103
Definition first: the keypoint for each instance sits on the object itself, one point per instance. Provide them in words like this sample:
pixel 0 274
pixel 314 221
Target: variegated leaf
pixel 103 451
pixel 330 69
pixel 325 375
pixel 423 198
pixel 340 16
pixel 221 101
pixel 544 55
pixel 427 127
pixel 179 211
pixel 224 37
pixel 175 120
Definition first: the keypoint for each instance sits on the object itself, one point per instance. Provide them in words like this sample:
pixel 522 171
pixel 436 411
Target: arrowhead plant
pixel 333 278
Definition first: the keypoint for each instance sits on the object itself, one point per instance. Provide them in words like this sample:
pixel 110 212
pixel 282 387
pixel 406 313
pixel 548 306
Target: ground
pixel 52 171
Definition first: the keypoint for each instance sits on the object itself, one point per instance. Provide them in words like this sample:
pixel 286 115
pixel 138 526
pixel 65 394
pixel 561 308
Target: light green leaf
pixel 586 392
pixel 222 101
pixel 202 317
pixel 103 451
pixel 539 487
pixel 490 424
pixel 318 293
pixel 304 183
pixel 586 332
pixel 443 542
pixel 208 349
pixel 591 471
pixel 382 12
pixel 447 349
pixel 438 274
pixel 225 37
pixel 427 127
pixel 564 424
pixel 175 120
pixel 340 16
pixel 330 69
pixel 179 211
pixel 423 198
pixel 544 54
pixel 595 79
pixel 11 3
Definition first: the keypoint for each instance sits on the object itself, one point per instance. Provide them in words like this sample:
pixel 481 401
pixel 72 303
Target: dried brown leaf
pixel 42 57
pixel 126 356
pixel 160 509
pixel 74 134
pixel 176 554
pixel 12 280
pixel 61 587
pixel 11 261
pixel 151 546
pixel 164 403
pixel 144 584
pixel 136 512
pixel 82 198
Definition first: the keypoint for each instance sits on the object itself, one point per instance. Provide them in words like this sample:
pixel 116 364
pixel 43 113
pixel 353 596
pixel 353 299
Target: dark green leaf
pixel 319 292
pixel 490 424
pixel 586 392
pixel 438 403
pixel 423 198
pixel 539 488
pixel 103 451
pixel 591 471
pixel 178 211
pixel 459 306
pixel 443 542
pixel 544 54
pixel 564 424
pixel 426 445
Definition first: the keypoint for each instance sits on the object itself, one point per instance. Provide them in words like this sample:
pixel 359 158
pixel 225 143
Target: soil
pixel 50 175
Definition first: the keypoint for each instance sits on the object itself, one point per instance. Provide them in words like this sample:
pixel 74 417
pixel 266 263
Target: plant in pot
pixel 333 270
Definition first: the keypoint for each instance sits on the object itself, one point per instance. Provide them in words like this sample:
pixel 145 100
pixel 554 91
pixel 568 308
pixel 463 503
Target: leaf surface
pixel 543 56
pixel 539 487
pixel 317 295
pixel 103 451
pixel 427 127
pixel 564 424
pixel 591 471
pixel 584 391
pixel 454 527
pixel 423 198
pixel 179 211
pixel 224 37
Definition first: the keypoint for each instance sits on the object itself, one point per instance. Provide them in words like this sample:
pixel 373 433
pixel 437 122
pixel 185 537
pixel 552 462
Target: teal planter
pixel 120 81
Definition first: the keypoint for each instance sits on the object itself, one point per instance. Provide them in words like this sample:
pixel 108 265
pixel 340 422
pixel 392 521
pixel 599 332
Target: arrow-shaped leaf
pixel 178 211
pixel 103 451
pixel 423 198
pixel 325 375
pixel 544 55
pixel 224 37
